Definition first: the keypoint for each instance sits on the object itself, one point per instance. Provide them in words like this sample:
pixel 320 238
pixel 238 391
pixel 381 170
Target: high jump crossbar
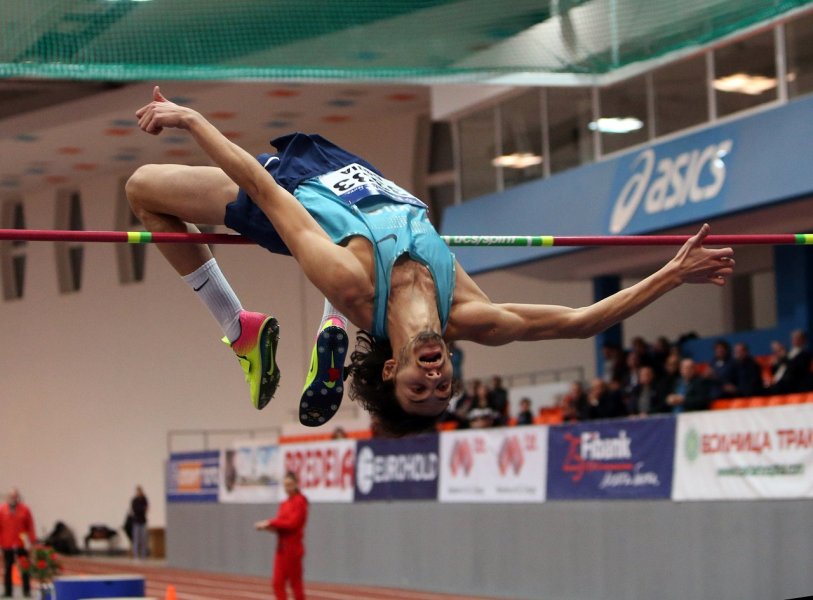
pixel 146 237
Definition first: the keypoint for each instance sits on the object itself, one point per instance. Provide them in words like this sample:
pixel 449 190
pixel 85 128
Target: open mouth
pixel 431 357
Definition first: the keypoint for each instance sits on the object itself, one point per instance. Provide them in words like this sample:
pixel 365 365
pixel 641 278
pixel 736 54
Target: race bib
pixel 355 182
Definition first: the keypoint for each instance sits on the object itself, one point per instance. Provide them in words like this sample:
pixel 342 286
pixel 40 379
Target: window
pixel 753 301
pixel 681 97
pixel 798 38
pixel 569 112
pixel 477 133
pixel 623 115
pixel 440 181
pixel 12 252
pixel 69 255
pixel 745 74
pixel 521 130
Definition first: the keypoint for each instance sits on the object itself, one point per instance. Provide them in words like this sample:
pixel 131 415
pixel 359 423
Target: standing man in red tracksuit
pixel 16 535
pixel 289 524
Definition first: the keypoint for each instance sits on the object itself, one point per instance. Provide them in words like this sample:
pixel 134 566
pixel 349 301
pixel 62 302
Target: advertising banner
pixel 325 469
pixel 619 459
pixel 193 476
pixel 405 469
pixel 493 465
pixel 745 454
pixel 251 472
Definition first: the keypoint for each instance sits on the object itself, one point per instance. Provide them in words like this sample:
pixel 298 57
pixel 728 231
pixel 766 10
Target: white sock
pixel 331 313
pixel 210 285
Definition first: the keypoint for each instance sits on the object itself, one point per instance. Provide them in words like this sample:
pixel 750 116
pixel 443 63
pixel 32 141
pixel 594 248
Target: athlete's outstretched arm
pixel 477 319
pixel 331 268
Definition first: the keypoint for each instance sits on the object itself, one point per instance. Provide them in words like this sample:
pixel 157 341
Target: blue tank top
pixel 349 197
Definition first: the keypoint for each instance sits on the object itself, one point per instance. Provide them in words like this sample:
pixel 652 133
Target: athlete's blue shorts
pixel 246 218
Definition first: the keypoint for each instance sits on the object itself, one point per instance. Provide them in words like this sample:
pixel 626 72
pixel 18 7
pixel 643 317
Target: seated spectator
pixel 640 347
pixel 481 414
pixel 525 416
pixel 633 363
pixel 690 392
pixel 721 372
pixel 671 373
pixel 791 370
pixel 644 398
pixel 459 406
pixel 604 401
pixel 779 369
pixel 746 375
pixel 498 400
pixel 338 434
pixel 574 404
pixel 661 349
pixel 615 366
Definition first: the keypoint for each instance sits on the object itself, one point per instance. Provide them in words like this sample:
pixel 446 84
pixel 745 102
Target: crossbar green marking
pixel 139 237
pixel 804 239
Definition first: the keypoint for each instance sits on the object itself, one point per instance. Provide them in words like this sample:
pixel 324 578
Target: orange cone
pixel 15 575
pixel 170 595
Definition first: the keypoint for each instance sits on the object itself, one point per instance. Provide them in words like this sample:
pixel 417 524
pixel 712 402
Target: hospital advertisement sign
pixel 193 476
pixel 404 469
pixel 493 465
pixel 745 454
pixel 612 460
pixel 251 472
pixel 326 470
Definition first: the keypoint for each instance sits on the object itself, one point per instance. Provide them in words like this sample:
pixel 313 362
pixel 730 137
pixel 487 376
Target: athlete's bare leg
pixel 172 198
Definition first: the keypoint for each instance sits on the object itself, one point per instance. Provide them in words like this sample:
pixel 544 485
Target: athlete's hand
pixel 160 113
pixel 697 264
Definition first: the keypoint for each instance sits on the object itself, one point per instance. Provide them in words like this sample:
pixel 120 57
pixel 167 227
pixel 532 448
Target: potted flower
pixel 42 564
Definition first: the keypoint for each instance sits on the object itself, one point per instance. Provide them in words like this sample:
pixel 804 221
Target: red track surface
pixel 198 585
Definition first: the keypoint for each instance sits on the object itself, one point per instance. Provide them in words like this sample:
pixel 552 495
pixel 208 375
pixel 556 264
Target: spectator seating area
pixel 482 405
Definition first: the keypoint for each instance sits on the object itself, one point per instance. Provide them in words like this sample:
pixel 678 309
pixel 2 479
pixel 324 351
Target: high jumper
pixel 368 246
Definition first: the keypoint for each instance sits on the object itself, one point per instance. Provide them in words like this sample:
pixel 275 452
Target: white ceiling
pixel 56 133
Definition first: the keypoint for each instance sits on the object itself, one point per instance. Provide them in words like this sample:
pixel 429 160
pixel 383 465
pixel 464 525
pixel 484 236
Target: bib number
pixel 355 182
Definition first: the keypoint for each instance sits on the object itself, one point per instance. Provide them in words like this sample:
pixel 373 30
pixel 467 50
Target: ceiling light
pixel 616 124
pixel 743 83
pixel 517 160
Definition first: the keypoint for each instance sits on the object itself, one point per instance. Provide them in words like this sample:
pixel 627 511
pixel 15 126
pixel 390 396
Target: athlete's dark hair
pixel 377 396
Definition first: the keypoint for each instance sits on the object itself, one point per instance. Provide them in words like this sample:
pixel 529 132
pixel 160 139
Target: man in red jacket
pixel 289 525
pixel 16 535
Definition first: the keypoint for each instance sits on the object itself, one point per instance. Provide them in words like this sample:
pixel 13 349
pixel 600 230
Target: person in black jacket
pixel 799 376
pixel 644 398
pixel 746 375
pixel 690 391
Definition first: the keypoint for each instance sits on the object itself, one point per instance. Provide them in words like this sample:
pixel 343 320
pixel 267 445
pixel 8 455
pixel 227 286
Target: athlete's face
pixel 422 375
